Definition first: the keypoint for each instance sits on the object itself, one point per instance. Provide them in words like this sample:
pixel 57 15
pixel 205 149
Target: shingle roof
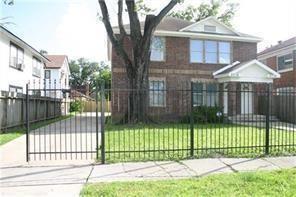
pixel 56 61
pixel 281 45
pixel 168 24
pixel 236 66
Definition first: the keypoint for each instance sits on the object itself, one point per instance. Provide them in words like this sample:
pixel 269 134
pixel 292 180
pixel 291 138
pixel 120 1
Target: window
pixel 47 74
pixel 15 89
pixel 196 51
pixel 224 52
pixel 284 91
pixel 157 93
pixel 210 28
pixel 197 94
pixel 205 94
pixel 285 62
pixel 210 52
pixel 16 59
pixel 37 65
pixel 157 49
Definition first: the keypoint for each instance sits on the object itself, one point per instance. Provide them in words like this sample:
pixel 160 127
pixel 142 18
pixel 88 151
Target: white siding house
pixel 19 63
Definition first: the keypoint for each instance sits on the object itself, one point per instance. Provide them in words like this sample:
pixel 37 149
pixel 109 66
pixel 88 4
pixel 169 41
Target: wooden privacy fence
pixel 13 109
pixel 90 106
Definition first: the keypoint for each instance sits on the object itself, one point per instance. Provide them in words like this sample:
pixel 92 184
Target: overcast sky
pixel 72 27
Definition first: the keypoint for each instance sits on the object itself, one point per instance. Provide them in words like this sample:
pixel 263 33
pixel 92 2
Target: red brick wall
pixel 177 59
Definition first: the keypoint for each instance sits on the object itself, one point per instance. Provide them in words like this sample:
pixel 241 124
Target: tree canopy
pixel 85 72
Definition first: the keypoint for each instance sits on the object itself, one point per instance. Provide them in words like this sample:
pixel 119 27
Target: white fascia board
pixel 278 52
pixel 226 67
pixel 201 36
pixel 211 18
pixel 263 66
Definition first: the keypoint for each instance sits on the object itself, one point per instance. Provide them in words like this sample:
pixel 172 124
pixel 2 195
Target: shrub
pixel 76 106
pixel 206 114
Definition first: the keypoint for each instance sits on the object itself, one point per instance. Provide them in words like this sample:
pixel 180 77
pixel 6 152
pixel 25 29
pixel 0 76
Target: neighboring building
pixel 56 77
pixel 206 53
pixel 282 58
pixel 20 63
pixel 57 72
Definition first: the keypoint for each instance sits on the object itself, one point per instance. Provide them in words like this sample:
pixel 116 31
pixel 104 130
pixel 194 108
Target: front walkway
pixel 67 180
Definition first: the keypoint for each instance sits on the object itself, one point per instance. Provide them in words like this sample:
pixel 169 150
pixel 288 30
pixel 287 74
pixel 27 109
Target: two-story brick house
pixel 208 53
pixel 282 58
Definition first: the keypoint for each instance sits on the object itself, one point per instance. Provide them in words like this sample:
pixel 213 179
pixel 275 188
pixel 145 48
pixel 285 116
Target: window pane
pixel 157 93
pixel 224 58
pixel 196 45
pixel 211 46
pixel 211 58
pixel 157 49
pixel 196 57
pixel 211 94
pixel 224 47
pixel 285 62
pixel 20 56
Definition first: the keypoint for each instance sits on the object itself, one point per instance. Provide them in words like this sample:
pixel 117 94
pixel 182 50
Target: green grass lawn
pixel 172 141
pixel 275 183
pixel 14 133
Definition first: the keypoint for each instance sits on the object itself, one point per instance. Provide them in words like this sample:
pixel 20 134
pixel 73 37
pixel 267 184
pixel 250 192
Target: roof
pixel 281 45
pixel 56 61
pixel 36 52
pixel 176 27
pixel 234 71
pixel 168 24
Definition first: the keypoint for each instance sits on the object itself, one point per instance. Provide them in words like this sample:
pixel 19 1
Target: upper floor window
pixel 196 51
pixel 16 59
pixel 157 49
pixel 224 52
pixel 157 93
pixel 37 66
pixel 285 62
pixel 47 74
pixel 211 52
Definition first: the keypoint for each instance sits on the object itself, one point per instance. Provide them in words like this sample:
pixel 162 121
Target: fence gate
pixel 61 123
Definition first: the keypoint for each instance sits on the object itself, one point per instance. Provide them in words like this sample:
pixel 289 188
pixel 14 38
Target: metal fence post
pixel 267 120
pixel 97 123
pixel 102 124
pixel 27 122
pixel 191 123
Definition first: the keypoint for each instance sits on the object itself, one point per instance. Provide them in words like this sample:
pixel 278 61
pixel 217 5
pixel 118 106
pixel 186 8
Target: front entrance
pixel 246 98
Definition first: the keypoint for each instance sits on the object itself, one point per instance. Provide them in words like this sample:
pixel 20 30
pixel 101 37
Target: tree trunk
pixel 138 100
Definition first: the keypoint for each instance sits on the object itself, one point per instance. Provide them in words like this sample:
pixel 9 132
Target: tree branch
pixel 120 21
pixel 116 44
pixel 135 27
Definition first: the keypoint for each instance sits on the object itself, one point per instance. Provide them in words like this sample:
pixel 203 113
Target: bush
pixel 76 106
pixel 206 114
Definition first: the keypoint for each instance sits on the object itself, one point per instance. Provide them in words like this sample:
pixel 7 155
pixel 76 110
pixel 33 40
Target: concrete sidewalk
pixel 48 179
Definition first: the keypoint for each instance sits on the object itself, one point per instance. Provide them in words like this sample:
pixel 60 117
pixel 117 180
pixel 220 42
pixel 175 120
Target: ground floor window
pixel 205 94
pixel 15 89
pixel 285 90
pixel 157 93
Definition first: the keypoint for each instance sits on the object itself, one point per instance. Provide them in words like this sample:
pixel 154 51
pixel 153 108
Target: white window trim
pixel 164 51
pixel 160 80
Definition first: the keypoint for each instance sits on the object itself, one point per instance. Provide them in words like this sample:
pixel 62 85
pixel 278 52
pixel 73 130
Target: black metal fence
pixel 74 134
pixel 200 120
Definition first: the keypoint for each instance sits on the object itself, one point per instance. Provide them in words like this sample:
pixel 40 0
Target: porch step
pixel 251 118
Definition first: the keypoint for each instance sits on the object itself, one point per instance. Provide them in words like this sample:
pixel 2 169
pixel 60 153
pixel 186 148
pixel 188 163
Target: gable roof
pixel 56 61
pixel 281 45
pixel 211 18
pixel 22 42
pixel 236 67
pixel 175 27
